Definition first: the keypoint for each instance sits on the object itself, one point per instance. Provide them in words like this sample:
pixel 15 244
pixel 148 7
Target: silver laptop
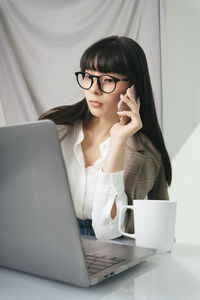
pixel 39 232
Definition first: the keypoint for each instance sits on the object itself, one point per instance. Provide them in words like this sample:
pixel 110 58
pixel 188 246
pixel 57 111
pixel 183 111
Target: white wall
pixel 181 113
pixel 2 120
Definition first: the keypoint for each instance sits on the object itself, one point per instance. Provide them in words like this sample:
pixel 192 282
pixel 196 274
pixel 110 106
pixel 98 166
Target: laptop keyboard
pixel 98 262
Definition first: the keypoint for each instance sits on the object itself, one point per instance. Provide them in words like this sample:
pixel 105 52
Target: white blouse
pixel 93 191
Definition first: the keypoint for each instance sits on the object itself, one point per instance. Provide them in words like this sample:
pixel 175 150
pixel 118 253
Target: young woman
pixel 112 157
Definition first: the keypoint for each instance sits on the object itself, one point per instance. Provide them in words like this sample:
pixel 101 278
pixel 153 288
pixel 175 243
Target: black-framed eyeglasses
pixel 106 83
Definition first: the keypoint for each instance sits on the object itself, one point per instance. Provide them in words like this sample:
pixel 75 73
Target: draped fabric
pixel 41 43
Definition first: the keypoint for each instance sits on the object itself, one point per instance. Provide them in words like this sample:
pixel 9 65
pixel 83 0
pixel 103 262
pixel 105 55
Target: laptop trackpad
pixel 91 245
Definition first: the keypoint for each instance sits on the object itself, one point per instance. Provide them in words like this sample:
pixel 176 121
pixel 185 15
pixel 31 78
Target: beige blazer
pixel 144 175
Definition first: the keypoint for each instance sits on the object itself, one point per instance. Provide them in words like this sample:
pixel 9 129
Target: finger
pixel 128 114
pixel 125 113
pixel 131 93
pixel 133 105
pixel 135 118
pixel 138 103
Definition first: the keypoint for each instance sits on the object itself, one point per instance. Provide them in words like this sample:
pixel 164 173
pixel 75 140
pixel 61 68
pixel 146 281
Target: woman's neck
pixel 99 128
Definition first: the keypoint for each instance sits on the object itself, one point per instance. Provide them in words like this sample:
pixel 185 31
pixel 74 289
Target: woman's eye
pixel 109 80
pixel 87 76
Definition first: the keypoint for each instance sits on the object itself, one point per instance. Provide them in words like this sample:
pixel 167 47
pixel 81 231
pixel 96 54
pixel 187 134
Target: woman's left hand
pixel 122 132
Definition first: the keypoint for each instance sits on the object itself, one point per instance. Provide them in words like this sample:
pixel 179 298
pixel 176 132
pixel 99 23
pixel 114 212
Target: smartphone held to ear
pixel 122 106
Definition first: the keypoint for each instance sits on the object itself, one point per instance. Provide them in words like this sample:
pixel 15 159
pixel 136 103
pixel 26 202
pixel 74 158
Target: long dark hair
pixel 124 56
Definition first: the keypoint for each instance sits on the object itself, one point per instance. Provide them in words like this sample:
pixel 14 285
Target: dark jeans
pixel 86 227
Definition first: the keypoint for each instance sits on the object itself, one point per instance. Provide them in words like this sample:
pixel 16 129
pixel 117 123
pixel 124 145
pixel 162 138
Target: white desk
pixel 163 276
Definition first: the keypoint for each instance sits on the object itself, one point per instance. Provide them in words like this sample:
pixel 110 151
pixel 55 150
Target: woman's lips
pixel 96 103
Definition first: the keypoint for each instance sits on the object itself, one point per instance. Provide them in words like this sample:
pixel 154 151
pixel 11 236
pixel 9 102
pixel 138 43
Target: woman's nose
pixel 95 88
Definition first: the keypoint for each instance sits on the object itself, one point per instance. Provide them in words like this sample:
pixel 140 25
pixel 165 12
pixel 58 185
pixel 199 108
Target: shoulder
pixel 63 129
pixel 142 157
pixel 66 129
pixel 142 144
pixel 150 151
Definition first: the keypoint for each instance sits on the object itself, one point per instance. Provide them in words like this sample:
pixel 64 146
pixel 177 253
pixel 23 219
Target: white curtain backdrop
pixel 41 43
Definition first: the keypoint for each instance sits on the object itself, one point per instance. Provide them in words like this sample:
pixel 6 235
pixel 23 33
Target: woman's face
pixel 107 103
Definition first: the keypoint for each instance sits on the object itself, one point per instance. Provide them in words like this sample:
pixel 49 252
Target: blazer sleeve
pixel 160 188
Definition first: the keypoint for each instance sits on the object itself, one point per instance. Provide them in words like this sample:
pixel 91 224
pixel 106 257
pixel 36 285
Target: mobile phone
pixel 122 106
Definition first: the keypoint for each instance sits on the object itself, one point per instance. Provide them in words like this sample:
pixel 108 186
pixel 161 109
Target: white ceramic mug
pixel 154 223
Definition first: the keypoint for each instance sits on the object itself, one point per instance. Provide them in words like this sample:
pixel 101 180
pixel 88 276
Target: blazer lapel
pixel 63 131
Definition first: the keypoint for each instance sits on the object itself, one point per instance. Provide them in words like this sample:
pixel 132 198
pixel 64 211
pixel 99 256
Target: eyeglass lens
pixel 107 83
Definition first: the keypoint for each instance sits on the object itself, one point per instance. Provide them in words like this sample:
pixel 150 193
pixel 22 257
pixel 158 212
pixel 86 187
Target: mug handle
pixel 122 208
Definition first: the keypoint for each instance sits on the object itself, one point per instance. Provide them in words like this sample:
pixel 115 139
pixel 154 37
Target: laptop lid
pixel 39 232
pixel 36 210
